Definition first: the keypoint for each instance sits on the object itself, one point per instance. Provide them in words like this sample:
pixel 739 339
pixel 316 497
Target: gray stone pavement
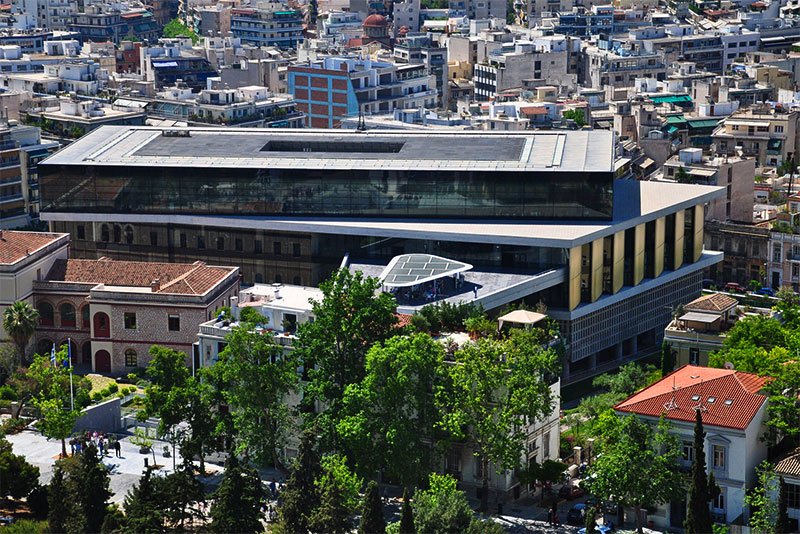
pixel 125 471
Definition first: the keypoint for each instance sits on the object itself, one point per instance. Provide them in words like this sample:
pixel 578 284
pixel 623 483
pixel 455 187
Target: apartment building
pixel 618 67
pixel 422 49
pixel 736 174
pixel 338 87
pixel 111 312
pixel 765 133
pixel 701 328
pixel 521 64
pixel 100 24
pixel 746 248
pixel 173 60
pixel 276 25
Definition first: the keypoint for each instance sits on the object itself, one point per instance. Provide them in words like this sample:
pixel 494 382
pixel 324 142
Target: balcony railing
pixel 10 198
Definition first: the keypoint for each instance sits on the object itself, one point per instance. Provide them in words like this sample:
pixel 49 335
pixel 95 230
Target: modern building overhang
pixel 635 202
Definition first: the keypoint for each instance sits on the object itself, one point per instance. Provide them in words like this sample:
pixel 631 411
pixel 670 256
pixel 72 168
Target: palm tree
pixel 19 322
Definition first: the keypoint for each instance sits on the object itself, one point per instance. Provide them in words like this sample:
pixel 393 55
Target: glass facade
pixel 321 192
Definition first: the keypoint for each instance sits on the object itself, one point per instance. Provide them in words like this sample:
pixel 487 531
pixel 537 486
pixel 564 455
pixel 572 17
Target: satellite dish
pixel 728 365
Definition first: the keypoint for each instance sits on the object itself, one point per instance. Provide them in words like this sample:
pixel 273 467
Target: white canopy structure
pixel 521 317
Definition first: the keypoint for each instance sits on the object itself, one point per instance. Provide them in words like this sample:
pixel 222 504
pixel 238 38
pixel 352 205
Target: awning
pixel 697 317
pixel 671 99
pixel 520 317
pixel 707 173
pixel 165 64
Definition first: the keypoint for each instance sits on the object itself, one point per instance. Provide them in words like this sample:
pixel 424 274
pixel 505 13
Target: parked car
pixel 6 520
pixel 708 283
pixel 733 287
pixel 569 492
pixel 576 514
pixel 766 291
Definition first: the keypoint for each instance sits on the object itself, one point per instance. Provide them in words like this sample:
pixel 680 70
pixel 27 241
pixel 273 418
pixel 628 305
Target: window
pixel 278 279
pixel 174 323
pixel 546 446
pixel 297 281
pixel 719 502
pixel 778 128
pixel 154 239
pixel 85 316
pixel 46 313
pixel 793 495
pixel 67 312
pixel 239 245
pixel 296 250
pixel 201 242
pixel 694 356
pixel 131 359
pixel 795 270
pixel 478 467
pixel 183 240
pixel 259 278
pixel 81 231
pixel 257 246
pixel 776 253
pixel 104 233
pixel 220 243
pixel 117 233
pixel 276 248
pixel 688 451
pixel 130 320
pixel 129 234
pixel 718 458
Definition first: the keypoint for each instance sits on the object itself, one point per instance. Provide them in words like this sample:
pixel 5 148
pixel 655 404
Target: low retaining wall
pixel 104 417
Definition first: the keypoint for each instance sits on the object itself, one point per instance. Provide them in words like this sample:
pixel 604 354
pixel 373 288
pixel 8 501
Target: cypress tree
pixel 237 501
pixel 782 524
pixel 667 359
pixel 57 501
pixel 590 521
pixel 92 489
pixel 300 495
pixel 698 514
pixel 407 517
pixel 143 506
pixel 372 521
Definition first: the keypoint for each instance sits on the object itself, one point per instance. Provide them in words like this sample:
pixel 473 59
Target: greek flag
pixel 68 359
pixel 53 355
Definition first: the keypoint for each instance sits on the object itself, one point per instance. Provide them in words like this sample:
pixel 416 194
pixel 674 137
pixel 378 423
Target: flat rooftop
pixel 551 151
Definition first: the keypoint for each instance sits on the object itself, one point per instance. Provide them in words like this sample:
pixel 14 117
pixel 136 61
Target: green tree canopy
pixel 390 417
pixel 338 488
pixel 495 388
pixel 257 379
pixel 79 493
pixel 441 509
pixel 18 478
pixel 372 520
pixel 301 494
pixel 237 501
pixel 176 28
pixel 638 466
pixel 20 321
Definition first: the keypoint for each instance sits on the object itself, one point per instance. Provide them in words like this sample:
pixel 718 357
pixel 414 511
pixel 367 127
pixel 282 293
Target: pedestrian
pixel 117 449
pixel 100 446
pixel 475 291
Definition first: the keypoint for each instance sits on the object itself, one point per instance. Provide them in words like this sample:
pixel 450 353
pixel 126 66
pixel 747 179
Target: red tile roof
pixel 716 302
pixel 16 246
pixel 534 110
pixel 176 278
pixel 676 396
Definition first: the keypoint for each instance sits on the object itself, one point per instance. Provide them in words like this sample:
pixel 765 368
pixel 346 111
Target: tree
pixel 20 321
pixel 167 371
pixel 590 521
pixel 237 501
pixel 57 420
pixel 92 488
pixel 257 378
pixel 763 510
pixel 390 417
pixel 576 115
pixel 348 320
pixel 372 520
pixel 638 466
pixel 407 516
pixel 17 477
pixel 442 509
pixel 58 500
pixel 698 514
pixel 667 359
pixel 338 489
pixel 198 398
pixel 682 176
pixel 176 28
pixel 628 380
pixel 545 474
pixel 495 389
pixel 300 494
pixel 184 494
pixel 144 505
pixel 782 524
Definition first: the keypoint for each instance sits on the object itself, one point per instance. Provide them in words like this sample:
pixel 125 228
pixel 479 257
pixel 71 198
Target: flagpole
pixel 69 357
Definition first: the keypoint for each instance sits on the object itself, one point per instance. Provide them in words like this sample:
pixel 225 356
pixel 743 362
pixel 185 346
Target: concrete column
pixel 574 283
pixel 638 254
pixel 658 257
pixel 596 278
pixel 618 351
pixel 618 262
pixel 698 228
pixel 680 220
pixel 635 344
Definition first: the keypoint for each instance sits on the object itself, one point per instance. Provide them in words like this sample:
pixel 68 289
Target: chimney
pixel 155 285
pixel 235 308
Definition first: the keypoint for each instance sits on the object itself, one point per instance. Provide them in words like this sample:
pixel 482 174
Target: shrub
pixel 13 426
pixel 97 396
pixel 8 393
pixel 112 388
pixel 37 501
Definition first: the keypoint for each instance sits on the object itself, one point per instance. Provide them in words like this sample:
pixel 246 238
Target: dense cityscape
pixel 400 267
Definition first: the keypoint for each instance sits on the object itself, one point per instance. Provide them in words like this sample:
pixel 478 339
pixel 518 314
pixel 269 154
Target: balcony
pixel 11 198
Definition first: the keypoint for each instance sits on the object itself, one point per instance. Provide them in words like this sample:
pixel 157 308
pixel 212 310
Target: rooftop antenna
pixel 362 125
pixel 671 404
pixel 701 405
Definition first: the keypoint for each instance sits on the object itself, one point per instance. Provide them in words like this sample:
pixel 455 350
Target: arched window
pixel 102 326
pixel 129 234
pixel 85 316
pixel 117 233
pixel 44 346
pixel 104 233
pixel 86 353
pixel 67 312
pixel 45 310
pixel 131 359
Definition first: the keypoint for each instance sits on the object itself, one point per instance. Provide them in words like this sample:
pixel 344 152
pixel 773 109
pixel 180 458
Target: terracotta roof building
pixel 733 408
pixel 111 312
pixel 713 302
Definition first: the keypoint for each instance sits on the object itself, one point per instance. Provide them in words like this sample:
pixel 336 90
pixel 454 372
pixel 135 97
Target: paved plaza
pixel 125 470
